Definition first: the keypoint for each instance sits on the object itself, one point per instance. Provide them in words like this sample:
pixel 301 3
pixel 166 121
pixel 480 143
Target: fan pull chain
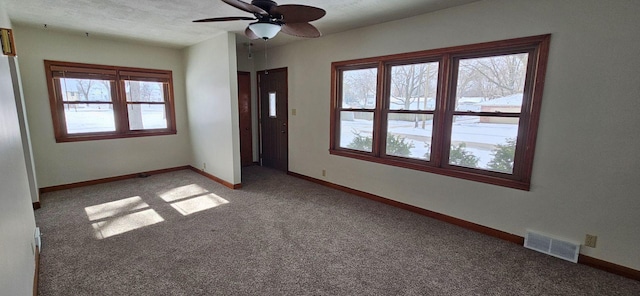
pixel 266 62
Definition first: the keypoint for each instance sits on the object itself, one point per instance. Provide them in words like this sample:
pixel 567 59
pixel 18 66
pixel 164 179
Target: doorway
pixel 274 122
pixel 244 118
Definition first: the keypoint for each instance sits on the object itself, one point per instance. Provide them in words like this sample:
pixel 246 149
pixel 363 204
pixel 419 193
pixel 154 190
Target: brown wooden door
pixel 272 92
pixel 244 111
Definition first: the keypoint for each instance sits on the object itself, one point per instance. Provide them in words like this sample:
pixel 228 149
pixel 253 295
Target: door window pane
pixel 414 87
pixel 89 118
pixel 484 142
pixel 272 105
pixel 491 84
pixel 359 88
pixel 409 135
pixel 356 130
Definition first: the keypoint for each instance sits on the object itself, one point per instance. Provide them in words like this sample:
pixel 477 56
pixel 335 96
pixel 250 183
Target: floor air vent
pixel 552 246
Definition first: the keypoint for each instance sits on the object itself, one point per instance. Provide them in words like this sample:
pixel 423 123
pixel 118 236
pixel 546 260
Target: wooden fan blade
pixel 250 34
pixel 246 6
pixel 306 30
pixel 224 19
pixel 294 13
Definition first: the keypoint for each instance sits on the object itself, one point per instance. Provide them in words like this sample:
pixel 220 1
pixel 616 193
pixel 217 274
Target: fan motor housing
pixel 266 5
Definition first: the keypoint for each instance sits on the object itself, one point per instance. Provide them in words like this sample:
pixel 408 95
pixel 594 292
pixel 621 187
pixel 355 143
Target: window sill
pixel 456 173
pixel 95 137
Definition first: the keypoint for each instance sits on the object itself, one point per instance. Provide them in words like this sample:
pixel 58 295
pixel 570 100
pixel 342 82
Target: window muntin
pixel 411 139
pixel 359 87
pixel 413 86
pixel 489 93
pixel 146 104
pixel 89 118
pixel 483 113
pixel 87 104
pixel 475 141
pixel 496 82
pixel 90 102
pixel 356 130
pixel 359 90
pixel 410 109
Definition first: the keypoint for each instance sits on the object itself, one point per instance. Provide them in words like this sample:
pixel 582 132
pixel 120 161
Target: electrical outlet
pixel 590 240
pixel 37 240
pixel 324 173
pixel 293 112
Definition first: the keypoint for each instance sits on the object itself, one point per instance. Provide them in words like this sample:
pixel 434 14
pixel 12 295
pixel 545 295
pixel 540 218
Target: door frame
pixel 250 111
pixel 259 113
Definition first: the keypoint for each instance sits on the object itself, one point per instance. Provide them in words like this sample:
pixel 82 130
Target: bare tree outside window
pixel 492 77
pixel 359 88
pixel 84 86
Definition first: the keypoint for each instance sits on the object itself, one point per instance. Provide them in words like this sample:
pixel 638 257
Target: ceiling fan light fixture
pixel 265 30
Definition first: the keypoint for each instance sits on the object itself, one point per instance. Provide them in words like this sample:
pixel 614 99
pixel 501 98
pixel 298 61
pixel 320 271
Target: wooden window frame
pixel 118 76
pixel 537 48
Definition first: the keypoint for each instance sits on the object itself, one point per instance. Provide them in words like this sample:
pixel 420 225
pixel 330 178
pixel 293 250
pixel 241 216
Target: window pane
pixel 484 142
pixel 359 88
pixel 272 105
pixel 144 91
pixel 89 118
pixel 491 84
pixel 409 135
pixel 146 116
pixel 413 87
pixel 356 130
pixel 74 90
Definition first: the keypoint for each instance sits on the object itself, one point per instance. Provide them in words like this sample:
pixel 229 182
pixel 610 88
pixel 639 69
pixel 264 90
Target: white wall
pixel 24 131
pixel 586 168
pixel 212 95
pixel 64 163
pixel 17 222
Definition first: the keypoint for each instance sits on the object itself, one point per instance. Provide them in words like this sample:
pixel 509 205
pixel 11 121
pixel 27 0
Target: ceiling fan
pixel 271 18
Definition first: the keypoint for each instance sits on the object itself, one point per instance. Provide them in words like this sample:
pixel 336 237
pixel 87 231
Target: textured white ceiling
pixel 168 22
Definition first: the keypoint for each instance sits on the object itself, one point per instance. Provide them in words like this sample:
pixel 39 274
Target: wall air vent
pixel 552 246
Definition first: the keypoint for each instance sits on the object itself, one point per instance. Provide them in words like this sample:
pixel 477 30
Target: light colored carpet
pixel 278 235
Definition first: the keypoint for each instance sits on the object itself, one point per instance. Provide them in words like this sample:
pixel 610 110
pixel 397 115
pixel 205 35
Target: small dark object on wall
pixel 6 38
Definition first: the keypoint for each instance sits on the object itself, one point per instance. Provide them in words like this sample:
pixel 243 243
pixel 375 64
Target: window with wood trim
pixel 468 111
pixel 93 102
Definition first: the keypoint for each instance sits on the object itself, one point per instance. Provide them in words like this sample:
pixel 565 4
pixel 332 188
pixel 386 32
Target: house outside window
pixel 469 111
pixel 93 102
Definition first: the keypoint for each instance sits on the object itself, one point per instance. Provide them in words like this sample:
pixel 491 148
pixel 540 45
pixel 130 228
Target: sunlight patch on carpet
pixel 197 204
pixel 114 208
pixel 182 192
pixel 126 223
